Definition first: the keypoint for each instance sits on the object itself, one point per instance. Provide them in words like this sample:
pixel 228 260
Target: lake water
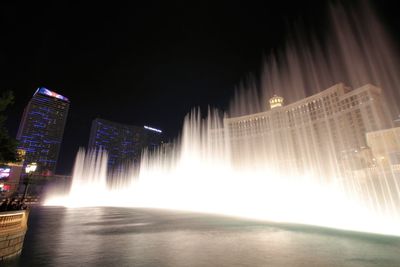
pixel 146 237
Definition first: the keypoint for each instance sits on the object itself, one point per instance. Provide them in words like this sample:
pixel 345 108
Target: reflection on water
pixel 143 237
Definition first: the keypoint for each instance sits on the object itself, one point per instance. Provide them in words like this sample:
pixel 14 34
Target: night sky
pixel 145 63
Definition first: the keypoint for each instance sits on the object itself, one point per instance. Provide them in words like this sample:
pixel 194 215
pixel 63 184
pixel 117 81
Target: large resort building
pixel 323 134
pixel 122 142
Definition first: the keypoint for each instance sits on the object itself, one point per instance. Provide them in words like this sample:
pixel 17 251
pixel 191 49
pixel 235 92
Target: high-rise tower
pixel 42 127
pixel 122 142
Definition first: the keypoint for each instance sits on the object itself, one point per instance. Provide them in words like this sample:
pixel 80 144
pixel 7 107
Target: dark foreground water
pixel 143 237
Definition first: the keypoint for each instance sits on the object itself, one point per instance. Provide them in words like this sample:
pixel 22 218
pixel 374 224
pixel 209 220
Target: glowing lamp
pixel 31 167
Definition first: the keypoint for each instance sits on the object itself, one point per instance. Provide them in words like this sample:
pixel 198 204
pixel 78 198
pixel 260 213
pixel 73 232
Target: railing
pixel 13 226
pixel 13 220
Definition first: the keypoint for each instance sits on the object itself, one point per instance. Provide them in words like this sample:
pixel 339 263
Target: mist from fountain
pixel 203 172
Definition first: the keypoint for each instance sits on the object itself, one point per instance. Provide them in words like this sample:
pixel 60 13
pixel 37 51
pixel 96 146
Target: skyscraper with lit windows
pixel 124 143
pixel 41 129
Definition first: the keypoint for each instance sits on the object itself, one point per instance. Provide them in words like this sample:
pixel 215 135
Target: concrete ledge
pixel 13 227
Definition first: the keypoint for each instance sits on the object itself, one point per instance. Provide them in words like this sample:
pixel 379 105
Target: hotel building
pixel 41 129
pixel 323 134
pixel 122 142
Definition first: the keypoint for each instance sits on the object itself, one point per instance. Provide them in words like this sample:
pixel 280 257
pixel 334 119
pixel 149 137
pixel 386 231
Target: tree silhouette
pixel 8 145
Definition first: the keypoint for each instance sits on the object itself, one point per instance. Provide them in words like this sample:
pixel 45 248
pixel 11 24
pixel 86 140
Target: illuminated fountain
pixel 305 162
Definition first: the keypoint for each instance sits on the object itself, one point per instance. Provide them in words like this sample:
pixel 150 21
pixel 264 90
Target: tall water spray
pixel 257 175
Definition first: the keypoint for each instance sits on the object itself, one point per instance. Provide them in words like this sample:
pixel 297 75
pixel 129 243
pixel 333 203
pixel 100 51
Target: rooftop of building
pixel 47 92
pixel 341 88
pixel 122 125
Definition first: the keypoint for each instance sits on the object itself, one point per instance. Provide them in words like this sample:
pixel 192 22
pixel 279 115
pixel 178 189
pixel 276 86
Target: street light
pixel 29 169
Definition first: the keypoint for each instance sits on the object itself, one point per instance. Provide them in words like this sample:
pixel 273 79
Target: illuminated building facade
pixel 323 133
pixel 385 147
pixel 41 129
pixel 10 174
pixel 122 142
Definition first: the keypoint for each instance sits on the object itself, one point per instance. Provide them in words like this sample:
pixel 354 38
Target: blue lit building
pixel 123 142
pixel 41 129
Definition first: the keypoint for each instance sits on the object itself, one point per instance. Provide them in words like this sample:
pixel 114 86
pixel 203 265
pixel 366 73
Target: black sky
pixel 144 63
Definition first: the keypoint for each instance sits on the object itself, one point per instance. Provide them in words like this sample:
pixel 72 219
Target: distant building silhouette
pixel 122 142
pixel 41 129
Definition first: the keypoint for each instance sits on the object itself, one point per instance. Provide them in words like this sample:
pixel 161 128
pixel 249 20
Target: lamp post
pixel 29 169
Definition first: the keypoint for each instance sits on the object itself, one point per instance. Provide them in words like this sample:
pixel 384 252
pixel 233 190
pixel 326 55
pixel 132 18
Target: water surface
pixel 145 237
